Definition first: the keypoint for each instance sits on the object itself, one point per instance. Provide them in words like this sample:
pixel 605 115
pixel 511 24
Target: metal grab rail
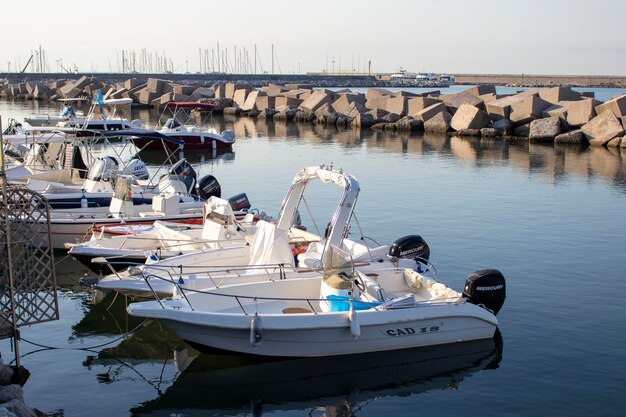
pixel 238 298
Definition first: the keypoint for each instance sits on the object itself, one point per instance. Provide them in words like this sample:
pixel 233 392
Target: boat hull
pixel 79 229
pixel 198 141
pixel 329 334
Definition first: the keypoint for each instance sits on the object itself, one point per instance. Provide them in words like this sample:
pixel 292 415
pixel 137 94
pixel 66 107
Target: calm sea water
pixel 550 218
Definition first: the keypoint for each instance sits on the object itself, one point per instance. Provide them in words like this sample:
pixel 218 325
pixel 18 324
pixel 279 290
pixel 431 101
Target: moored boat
pixel 338 308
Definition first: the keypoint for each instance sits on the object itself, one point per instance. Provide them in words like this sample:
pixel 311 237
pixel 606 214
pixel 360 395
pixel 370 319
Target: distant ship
pixel 402 74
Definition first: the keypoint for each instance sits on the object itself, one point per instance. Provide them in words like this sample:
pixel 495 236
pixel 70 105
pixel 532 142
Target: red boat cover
pixel 190 105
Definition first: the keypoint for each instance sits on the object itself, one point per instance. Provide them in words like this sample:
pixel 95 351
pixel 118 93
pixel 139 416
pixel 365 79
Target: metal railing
pixel 387 305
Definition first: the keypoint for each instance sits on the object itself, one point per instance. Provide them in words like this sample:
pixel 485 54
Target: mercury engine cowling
pixel 410 247
pixel 209 187
pixel 137 169
pixel 240 202
pixel 486 287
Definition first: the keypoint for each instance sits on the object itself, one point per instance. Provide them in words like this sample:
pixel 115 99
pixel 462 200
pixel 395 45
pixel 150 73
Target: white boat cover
pixel 310 173
pixel 270 246
pixel 174 240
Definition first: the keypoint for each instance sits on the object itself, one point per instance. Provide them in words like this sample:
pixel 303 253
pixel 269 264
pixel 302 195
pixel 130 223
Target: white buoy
pixel 256 335
pixel 355 327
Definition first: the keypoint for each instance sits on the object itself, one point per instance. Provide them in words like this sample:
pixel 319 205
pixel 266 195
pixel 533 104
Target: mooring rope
pixel 142 324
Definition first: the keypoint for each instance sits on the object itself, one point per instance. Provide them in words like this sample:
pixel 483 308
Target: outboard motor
pixel 240 202
pixel 410 247
pixel 486 288
pixel 209 187
pixel 137 169
pixel 185 173
pixel 102 168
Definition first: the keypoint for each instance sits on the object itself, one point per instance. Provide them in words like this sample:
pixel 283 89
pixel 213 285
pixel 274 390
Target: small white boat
pixel 274 251
pixel 164 240
pixel 174 201
pixel 96 118
pixel 340 308
pixel 179 127
pixel 65 114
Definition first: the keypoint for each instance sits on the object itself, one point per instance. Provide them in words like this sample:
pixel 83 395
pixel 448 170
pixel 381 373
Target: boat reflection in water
pixel 218 383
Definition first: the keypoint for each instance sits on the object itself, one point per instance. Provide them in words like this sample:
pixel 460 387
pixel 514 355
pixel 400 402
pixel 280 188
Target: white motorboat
pixel 96 118
pixel 67 113
pixel 164 240
pixel 341 308
pixel 176 200
pixel 179 127
pixel 275 251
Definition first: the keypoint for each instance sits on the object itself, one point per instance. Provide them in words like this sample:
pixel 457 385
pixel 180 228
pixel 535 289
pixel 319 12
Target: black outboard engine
pixel 486 288
pixel 240 202
pixel 185 173
pixel 410 247
pixel 209 187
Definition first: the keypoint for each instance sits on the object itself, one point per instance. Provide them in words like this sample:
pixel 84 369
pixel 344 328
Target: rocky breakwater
pixel 12 403
pixel 548 115
pixel 152 93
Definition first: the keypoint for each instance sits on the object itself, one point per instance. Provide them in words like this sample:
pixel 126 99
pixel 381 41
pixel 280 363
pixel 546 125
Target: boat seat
pixel 311 258
pixel 429 288
pixel 373 291
pixel 363 253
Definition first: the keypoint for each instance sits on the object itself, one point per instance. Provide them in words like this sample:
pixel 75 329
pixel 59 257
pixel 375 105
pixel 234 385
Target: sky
pixel 578 37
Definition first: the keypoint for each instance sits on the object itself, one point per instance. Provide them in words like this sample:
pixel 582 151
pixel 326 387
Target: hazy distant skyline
pixel 482 36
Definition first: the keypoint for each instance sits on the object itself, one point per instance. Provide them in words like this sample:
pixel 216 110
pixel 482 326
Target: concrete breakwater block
pixel 544 130
pixel 379 102
pixel 275 90
pixel 407 123
pixel 440 123
pixel 183 89
pixel 617 105
pixel 417 104
pixel 603 128
pixel 204 92
pixel 556 94
pixel 468 116
pixel 240 95
pixel 481 90
pixel 377 92
pixel 363 120
pixel 397 105
pixel 343 102
pixel 283 102
pixel 527 109
pixel 430 112
pixel 317 100
pixel 265 102
pixel 574 137
pixel 503 126
pixel 250 103
pixel 581 112
pixel 615 142
pixel 556 110
pixel 155 85
pixel 500 108
pixel 454 101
